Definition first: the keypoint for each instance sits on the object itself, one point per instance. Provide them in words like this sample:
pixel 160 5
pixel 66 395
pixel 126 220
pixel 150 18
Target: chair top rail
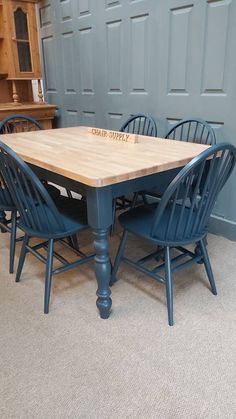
pixel 140 124
pixel 192 130
pixel 18 123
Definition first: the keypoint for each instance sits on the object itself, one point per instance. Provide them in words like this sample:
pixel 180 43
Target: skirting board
pixel 223 227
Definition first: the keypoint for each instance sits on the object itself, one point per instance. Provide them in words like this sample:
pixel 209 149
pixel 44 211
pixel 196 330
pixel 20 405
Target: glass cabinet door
pixel 22 40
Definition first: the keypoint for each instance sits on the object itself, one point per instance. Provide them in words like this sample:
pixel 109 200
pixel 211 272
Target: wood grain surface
pixel 95 161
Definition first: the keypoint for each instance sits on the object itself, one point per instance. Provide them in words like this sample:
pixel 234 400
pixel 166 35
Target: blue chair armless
pixel 140 124
pixel 176 222
pixel 41 216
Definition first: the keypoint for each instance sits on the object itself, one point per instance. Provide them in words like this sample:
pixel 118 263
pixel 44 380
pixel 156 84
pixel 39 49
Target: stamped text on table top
pixel 114 135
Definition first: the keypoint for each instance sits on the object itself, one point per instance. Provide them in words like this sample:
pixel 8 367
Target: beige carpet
pixel 72 364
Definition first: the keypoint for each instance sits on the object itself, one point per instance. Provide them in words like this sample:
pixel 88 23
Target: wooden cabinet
pixel 20 62
pixel 21 40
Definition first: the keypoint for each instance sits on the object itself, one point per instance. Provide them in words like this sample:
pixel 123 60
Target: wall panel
pixel 106 60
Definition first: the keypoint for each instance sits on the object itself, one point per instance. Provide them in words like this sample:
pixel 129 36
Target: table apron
pixel 117 189
pixel 99 200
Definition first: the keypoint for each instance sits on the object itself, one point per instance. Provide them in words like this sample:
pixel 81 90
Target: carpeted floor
pixel 72 364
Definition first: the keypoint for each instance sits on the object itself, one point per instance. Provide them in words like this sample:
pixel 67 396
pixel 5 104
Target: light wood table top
pixel 97 161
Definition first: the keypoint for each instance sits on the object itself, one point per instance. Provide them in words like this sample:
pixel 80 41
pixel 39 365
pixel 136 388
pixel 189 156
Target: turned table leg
pixel 103 271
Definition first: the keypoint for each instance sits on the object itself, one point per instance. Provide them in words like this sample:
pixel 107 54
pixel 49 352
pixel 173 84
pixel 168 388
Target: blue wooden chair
pixel 41 216
pixel 177 221
pixel 190 130
pixel 140 124
pixel 9 125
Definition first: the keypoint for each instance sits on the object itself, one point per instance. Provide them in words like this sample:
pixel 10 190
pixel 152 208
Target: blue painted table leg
pixel 103 271
pixel 99 208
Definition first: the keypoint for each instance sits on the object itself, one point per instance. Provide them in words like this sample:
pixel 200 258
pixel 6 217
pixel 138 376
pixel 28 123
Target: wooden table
pixel 101 169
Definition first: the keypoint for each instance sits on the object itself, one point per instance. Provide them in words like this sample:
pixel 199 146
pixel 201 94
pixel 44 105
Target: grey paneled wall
pixel 97 59
pixel 106 59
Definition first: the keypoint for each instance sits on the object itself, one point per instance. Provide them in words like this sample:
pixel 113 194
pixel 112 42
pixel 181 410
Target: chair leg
pixel 12 241
pixel 198 250
pixel 207 265
pixel 144 198
pixel 161 256
pixel 69 240
pixel 3 221
pixel 74 241
pixel 134 201
pixel 113 216
pixel 69 194
pixel 118 257
pixel 22 257
pixel 48 275
pixel 169 286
